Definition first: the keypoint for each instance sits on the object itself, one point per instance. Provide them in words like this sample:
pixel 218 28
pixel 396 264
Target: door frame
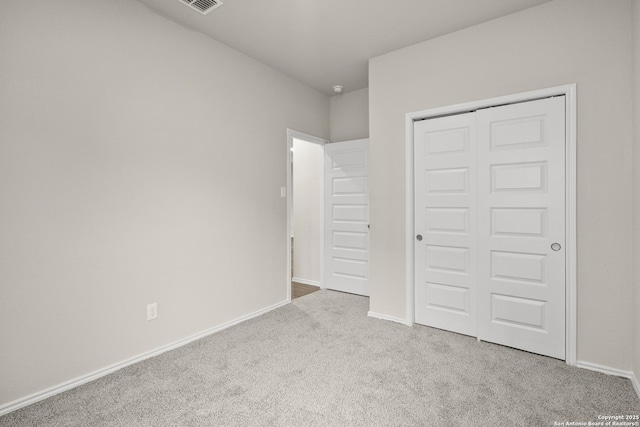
pixel 291 135
pixel 569 91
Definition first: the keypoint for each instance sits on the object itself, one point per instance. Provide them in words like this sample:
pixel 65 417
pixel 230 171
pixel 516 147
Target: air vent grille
pixel 202 6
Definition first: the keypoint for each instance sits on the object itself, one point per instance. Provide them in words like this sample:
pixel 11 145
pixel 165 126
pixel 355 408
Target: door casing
pixel 569 91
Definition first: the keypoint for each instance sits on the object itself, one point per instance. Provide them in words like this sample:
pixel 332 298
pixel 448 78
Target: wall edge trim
pixel 389 318
pixel 83 379
pixel 306 281
pixel 612 371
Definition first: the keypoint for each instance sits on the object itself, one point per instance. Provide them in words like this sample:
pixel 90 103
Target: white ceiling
pixel 329 42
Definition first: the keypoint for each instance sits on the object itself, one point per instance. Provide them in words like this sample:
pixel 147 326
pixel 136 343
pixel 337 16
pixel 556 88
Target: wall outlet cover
pixel 152 311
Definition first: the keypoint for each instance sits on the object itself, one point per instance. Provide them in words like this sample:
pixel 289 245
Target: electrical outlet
pixel 152 311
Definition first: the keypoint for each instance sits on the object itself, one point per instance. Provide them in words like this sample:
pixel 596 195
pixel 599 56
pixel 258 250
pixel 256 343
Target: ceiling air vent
pixel 202 6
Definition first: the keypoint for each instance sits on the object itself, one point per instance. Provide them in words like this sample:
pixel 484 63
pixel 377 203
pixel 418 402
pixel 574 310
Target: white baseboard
pixel 305 281
pixel 611 371
pixel 604 369
pixel 389 318
pixel 52 391
pixel 636 384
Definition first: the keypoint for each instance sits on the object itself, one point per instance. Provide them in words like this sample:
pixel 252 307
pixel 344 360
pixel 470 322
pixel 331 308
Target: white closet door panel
pixel 444 218
pixel 521 214
pixel 489 205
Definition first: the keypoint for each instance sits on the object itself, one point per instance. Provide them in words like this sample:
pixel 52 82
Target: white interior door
pixel 521 224
pixel 490 208
pixel 445 166
pixel 347 216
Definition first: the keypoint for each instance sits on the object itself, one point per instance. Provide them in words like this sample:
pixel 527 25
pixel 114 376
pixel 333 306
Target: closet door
pixel 490 224
pixel 521 225
pixel 445 274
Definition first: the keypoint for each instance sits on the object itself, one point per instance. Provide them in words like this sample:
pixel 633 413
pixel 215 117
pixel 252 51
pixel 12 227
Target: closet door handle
pixel 419 237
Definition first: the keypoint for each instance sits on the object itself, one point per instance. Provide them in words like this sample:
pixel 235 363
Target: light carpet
pixel 320 361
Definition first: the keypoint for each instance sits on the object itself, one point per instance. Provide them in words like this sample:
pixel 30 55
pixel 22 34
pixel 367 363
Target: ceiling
pixel 328 42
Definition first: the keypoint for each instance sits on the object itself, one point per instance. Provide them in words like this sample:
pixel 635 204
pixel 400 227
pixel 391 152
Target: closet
pixel 490 221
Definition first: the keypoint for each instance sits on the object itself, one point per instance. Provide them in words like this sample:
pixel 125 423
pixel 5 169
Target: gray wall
pixel 587 42
pixel 636 181
pixel 350 116
pixel 139 162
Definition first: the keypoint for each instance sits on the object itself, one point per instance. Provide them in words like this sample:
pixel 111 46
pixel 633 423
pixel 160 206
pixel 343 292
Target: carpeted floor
pixel 321 361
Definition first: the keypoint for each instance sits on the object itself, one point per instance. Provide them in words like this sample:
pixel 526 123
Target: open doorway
pixel 305 219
